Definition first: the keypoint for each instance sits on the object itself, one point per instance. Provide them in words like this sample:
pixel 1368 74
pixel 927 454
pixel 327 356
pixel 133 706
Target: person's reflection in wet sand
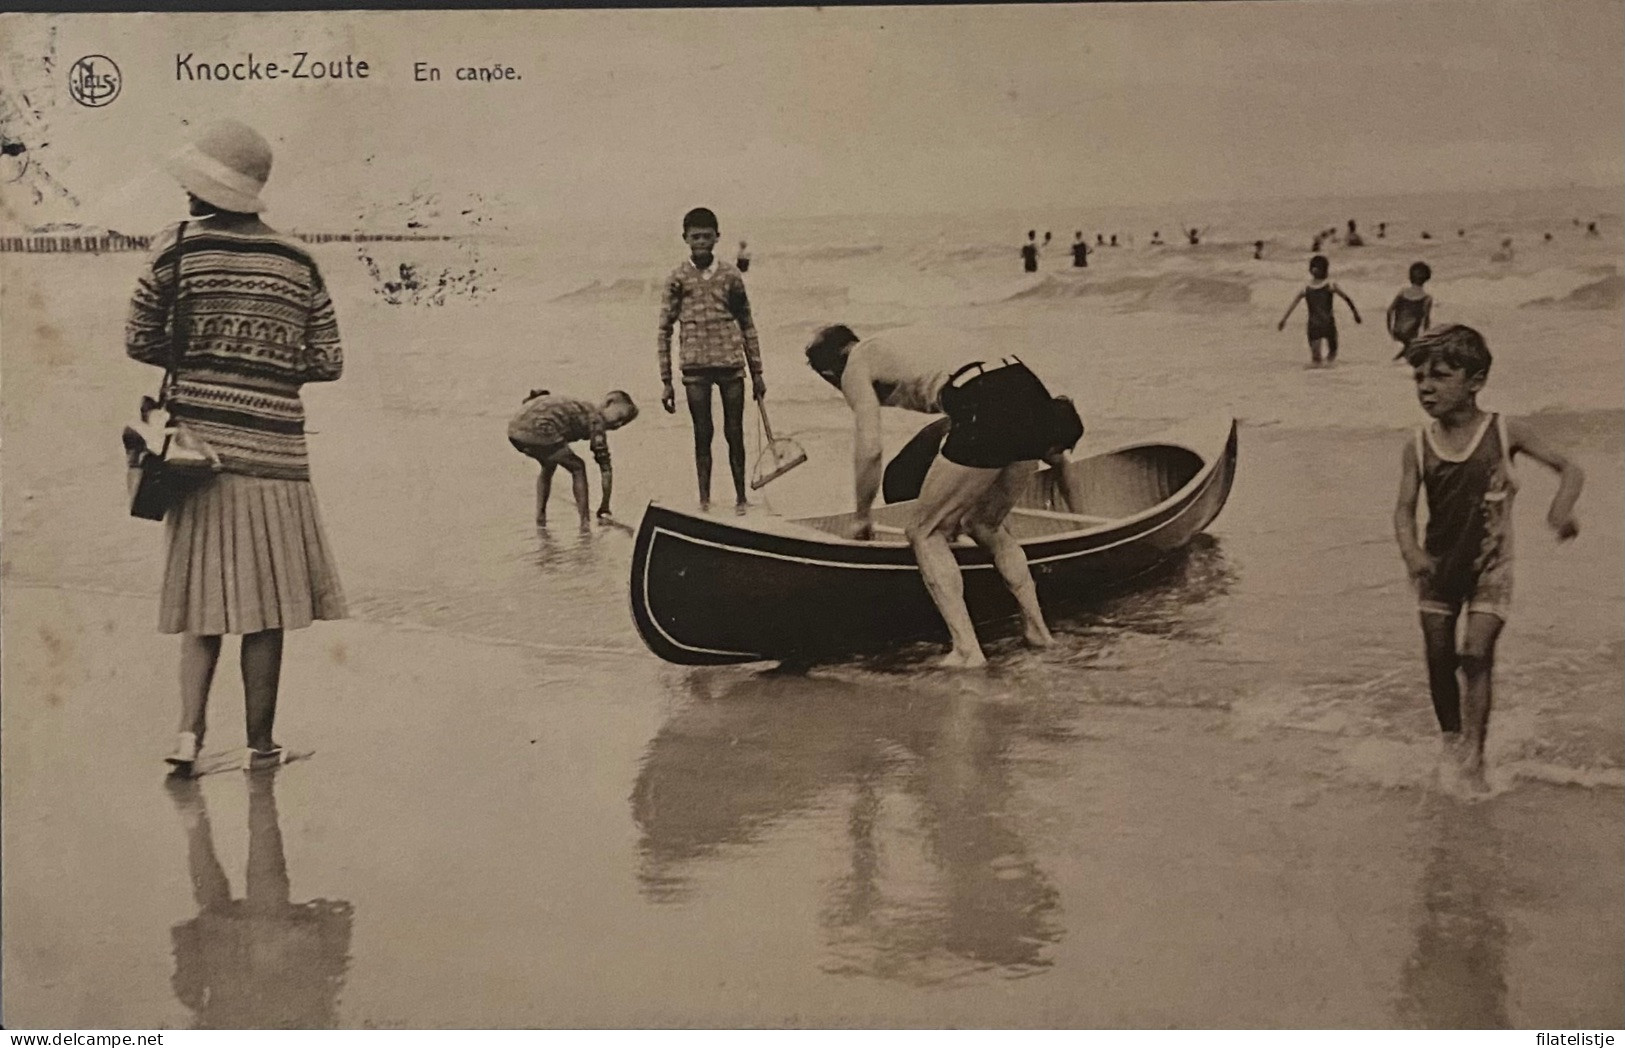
pixel 996 907
pixel 774 746
pixel 1455 979
pixel 746 754
pixel 259 962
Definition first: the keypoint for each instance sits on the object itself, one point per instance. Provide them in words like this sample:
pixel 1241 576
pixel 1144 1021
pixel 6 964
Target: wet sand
pixel 514 836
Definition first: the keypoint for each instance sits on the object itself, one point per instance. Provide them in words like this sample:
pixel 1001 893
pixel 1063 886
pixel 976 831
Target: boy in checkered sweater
pixel 706 295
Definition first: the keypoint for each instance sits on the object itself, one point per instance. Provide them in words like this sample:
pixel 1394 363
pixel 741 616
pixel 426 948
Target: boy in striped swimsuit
pixel 1463 460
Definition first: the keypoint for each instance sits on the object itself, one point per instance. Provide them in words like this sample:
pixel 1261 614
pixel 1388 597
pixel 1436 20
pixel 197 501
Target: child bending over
pixel 544 429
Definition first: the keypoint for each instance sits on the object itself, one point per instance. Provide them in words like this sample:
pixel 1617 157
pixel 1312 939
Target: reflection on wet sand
pixel 1456 976
pixel 259 962
pixel 939 880
pixel 770 748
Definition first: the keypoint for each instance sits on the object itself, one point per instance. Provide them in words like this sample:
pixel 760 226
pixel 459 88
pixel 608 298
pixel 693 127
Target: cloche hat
pixel 226 166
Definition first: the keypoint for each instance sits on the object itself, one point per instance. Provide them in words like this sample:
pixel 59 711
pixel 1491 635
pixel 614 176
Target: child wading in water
pixel 707 297
pixel 1411 311
pixel 547 424
pixel 1318 297
pixel 1463 460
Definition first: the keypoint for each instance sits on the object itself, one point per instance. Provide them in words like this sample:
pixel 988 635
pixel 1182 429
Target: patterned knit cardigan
pixel 258 324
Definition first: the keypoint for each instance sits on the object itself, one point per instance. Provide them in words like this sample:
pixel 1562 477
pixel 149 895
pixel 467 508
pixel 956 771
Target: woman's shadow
pixel 261 961
pixel 729 767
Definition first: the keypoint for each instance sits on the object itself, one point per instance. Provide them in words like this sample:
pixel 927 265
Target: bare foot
pixel 705 505
pixel 1039 636
pixel 741 508
pixel 963 660
pixel 1472 779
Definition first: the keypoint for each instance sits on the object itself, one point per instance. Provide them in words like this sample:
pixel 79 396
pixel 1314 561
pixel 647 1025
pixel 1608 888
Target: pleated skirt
pixel 246 554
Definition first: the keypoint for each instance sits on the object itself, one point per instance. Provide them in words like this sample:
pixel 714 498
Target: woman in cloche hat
pixel 246 552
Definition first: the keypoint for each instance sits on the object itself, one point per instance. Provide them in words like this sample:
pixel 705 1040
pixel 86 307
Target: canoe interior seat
pixel 1081 520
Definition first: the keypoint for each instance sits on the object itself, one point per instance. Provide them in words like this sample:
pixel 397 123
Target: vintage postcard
pixel 1083 516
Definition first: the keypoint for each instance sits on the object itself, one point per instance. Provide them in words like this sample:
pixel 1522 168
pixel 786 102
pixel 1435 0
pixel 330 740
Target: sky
pixel 779 112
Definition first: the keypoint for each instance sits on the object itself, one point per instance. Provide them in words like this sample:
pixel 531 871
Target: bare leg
pixel 1011 561
pixel 1439 641
pixel 1439 636
pixel 578 486
pixel 262 674
pixel 985 522
pixel 948 492
pixel 544 488
pixel 699 410
pixel 1477 669
pixel 947 588
pixel 733 430
pixel 199 655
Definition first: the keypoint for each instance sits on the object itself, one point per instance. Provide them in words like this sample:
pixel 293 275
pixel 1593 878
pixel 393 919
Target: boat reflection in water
pixel 930 787
pixel 958 885
pixel 261 961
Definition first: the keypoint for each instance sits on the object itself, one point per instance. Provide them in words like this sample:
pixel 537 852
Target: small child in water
pixel 1411 311
pixel 1317 296
pixel 544 429
pixel 1080 251
pixel 1462 459
pixel 1029 252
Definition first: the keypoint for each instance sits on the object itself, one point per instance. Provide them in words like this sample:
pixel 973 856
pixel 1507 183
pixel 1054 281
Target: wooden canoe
pixel 706 590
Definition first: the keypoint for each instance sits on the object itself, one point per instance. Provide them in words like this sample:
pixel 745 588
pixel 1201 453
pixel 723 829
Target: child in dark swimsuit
pixel 1318 297
pixel 1411 311
pixel 1029 252
pixel 1461 565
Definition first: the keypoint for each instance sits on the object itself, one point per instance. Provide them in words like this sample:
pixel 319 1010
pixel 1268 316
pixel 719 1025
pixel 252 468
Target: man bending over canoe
pixel 1001 417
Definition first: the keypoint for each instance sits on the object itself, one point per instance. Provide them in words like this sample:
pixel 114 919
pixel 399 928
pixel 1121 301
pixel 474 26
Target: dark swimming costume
pixel 1029 257
pixel 905 473
pixel 1080 255
pixel 997 417
pixel 1321 322
pixel 1408 316
pixel 1469 529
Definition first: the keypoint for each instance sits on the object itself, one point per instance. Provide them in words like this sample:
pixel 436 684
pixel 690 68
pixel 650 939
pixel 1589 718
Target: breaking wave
pixel 1607 293
pixel 1176 291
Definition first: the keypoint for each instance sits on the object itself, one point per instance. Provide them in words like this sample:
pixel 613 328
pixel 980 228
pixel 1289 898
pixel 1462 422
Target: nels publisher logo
pixel 94 81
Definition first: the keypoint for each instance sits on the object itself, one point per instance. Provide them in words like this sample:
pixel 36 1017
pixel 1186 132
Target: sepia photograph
pixel 1095 516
